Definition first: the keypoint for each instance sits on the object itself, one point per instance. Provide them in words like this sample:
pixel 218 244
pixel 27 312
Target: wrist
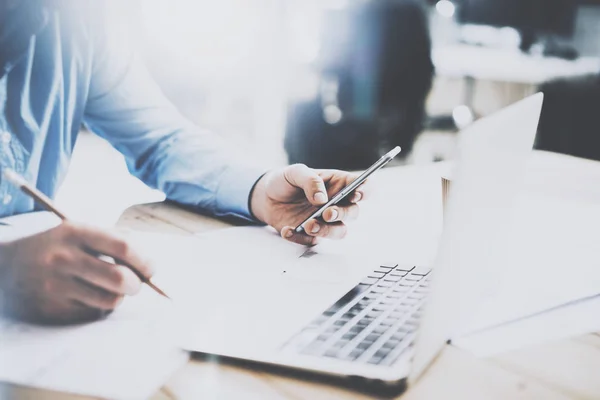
pixel 259 199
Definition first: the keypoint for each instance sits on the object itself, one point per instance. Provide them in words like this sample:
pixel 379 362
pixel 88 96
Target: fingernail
pixel 356 198
pixel 316 228
pixel 334 214
pixel 320 197
pixel 289 234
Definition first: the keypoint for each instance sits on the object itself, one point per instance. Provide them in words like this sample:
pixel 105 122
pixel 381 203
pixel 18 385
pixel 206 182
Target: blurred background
pixel 335 83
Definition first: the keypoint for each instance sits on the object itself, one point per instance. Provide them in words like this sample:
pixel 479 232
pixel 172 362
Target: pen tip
pixel 157 289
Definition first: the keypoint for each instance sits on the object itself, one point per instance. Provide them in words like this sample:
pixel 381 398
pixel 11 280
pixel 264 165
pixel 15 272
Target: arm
pixel 191 166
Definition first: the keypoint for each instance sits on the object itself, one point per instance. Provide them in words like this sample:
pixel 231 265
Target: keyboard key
pixel 381 329
pixel 364 302
pixel 363 322
pixel 413 278
pixel 382 270
pixel 420 271
pixel 383 306
pixel 383 352
pixel 367 320
pixel 374 314
pixel 389 265
pixel 392 278
pixel 364 345
pixel 369 281
pixel 340 344
pixel 376 275
pixel 407 283
pixel 399 336
pixel 354 354
pixel 331 330
pixel 371 296
pixel 398 273
pixel 390 344
pixel 401 309
pixel 349 336
pixel 404 268
pixel 385 284
pixel 333 352
pixel 378 289
pixel 409 302
pixel 375 360
pixel 323 337
pixel 340 322
pixel 357 329
pixel 372 337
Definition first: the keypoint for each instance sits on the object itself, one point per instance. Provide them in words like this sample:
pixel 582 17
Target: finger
pixel 111 245
pixel 300 176
pixel 288 233
pixel 332 176
pixel 336 230
pixel 337 213
pixel 116 279
pixel 71 312
pixel 89 295
pixel 361 193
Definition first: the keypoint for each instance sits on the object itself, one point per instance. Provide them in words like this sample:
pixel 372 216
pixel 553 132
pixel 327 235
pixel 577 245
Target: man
pixel 61 65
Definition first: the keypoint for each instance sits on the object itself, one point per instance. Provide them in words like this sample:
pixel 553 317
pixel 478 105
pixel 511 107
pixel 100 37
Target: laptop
pixel 382 334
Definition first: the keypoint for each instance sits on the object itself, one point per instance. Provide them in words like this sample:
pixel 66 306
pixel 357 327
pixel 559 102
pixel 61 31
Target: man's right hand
pixel 55 277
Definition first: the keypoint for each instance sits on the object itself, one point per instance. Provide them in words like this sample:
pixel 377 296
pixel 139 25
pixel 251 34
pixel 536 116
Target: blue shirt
pixel 61 67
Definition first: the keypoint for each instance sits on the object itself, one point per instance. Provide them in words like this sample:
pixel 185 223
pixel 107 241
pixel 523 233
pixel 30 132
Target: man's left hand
pixel 285 197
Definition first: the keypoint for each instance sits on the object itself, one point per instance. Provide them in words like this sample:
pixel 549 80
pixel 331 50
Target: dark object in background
pixel 375 72
pixel 534 19
pixel 570 121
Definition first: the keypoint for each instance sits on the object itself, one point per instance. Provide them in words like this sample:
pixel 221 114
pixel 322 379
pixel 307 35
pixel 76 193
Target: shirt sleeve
pixel 190 165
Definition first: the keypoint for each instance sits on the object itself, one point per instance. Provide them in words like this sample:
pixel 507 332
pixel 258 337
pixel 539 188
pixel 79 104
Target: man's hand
pixel 285 197
pixel 54 276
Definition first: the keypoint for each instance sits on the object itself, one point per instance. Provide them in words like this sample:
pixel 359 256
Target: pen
pixel 41 198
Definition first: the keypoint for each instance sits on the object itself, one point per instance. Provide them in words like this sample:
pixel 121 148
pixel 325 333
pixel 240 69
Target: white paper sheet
pixel 553 259
pixel 128 355
pixel 18 226
pixel 571 320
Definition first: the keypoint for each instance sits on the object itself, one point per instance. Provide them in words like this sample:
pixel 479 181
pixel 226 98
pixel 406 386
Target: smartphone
pixel 341 195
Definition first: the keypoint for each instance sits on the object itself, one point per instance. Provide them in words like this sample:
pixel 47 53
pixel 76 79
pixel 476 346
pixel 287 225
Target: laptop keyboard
pixel 374 323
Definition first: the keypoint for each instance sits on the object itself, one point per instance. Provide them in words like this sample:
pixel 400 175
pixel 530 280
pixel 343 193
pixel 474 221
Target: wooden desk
pixel 566 369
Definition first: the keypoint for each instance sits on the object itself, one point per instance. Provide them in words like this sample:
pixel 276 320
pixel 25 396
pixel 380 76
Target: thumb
pixel 300 176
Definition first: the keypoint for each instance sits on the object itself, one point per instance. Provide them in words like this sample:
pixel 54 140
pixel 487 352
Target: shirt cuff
pixel 235 187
